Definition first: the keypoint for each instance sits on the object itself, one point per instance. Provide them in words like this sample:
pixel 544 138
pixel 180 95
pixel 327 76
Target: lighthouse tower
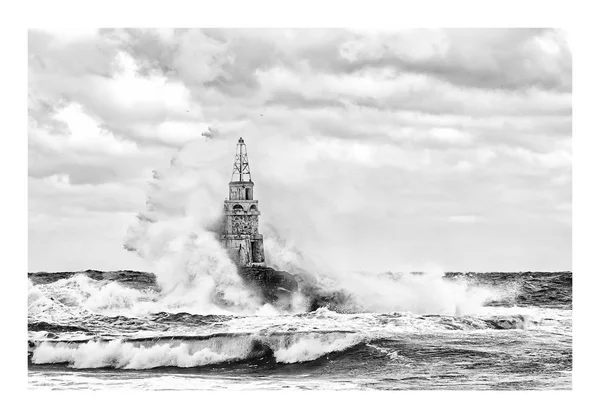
pixel 240 230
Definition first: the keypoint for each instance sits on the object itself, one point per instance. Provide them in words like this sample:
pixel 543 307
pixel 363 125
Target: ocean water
pixel 486 331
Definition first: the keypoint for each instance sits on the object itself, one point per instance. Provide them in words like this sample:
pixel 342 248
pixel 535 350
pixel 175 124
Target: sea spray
pixel 420 293
pixel 178 234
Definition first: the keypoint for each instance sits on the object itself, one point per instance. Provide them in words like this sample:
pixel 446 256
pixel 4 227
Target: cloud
pixel 499 59
pixel 358 139
pixel 468 219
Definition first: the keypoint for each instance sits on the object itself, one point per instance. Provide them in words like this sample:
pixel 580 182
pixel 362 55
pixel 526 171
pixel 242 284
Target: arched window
pixel 253 207
pixel 238 207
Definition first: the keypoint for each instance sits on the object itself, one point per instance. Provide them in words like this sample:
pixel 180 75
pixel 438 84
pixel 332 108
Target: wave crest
pixel 123 354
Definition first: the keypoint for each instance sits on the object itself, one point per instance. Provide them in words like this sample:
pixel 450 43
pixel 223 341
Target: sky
pixel 374 150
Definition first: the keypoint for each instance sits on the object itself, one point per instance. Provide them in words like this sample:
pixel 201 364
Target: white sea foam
pixel 72 298
pixel 133 355
pixel 119 355
pixel 429 292
pixel 311 348
pixel 80 295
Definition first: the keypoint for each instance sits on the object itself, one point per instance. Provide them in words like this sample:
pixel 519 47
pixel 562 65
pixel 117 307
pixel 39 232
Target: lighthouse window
pixel 248 194
pixel 238 207
pixel 253 207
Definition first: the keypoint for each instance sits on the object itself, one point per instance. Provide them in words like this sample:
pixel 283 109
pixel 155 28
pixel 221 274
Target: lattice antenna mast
pixel 241 168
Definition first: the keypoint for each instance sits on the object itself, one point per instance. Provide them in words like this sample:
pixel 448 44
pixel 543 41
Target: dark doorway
pixel 252 251
pixel 248 194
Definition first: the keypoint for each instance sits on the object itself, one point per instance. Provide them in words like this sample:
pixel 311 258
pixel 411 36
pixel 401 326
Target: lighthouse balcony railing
pixel 242 212
pixel 242 201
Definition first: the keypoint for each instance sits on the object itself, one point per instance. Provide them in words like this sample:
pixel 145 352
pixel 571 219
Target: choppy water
pixel 101 330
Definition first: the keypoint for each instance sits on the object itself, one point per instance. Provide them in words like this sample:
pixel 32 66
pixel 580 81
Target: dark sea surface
pixel 483 331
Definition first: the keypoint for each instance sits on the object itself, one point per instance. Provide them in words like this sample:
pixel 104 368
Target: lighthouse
pixel 240 228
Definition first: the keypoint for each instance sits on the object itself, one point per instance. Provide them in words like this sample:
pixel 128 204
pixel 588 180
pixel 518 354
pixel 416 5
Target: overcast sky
pixel 375 150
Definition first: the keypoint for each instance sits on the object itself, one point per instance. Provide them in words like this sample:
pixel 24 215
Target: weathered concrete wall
pixel 245 250
pixel 240 228
pixel 239 249
pixel 240 225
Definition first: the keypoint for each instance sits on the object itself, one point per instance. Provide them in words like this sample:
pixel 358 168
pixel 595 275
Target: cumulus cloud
pixel 372 149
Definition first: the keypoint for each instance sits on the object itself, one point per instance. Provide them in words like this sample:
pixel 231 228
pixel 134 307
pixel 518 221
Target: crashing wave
pixel 146 354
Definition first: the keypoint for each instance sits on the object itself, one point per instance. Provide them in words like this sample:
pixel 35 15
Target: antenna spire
pixel 241 167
